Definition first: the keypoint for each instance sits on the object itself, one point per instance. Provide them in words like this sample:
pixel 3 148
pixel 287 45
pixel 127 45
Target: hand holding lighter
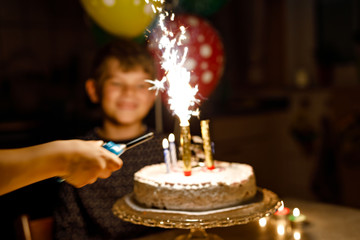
pixel 119 149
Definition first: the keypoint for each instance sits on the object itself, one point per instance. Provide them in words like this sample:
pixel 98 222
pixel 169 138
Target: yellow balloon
pixel 124 18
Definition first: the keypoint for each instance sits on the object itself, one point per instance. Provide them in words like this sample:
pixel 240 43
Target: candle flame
pixel 171 137
pixel 165 143
pixel 296 212
pixel 281 206
pixel 176 81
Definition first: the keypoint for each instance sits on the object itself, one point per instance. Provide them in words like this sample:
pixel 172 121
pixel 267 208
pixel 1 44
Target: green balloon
pixel 101 36
pixel 201 7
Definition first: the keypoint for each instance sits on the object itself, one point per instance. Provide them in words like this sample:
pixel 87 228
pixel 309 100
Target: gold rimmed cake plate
pixel 263 204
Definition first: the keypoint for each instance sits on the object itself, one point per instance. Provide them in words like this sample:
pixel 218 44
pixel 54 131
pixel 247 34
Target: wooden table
pixel 324 222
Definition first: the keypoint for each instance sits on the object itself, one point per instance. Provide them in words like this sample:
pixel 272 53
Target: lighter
pixel 119 149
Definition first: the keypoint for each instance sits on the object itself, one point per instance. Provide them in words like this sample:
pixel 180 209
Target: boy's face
pixel 125 98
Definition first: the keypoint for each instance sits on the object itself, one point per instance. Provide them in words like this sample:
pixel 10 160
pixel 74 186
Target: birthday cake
pixel 229 184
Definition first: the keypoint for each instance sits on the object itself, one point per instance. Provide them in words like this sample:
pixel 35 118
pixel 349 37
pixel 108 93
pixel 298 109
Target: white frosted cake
pixel 227 185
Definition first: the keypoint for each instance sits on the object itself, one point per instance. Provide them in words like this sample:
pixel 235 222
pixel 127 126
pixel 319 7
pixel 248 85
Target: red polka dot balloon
pixel 205 57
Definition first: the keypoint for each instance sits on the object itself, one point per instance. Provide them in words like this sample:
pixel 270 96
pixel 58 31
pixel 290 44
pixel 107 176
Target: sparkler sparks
pixel 182 96
pixel 157 85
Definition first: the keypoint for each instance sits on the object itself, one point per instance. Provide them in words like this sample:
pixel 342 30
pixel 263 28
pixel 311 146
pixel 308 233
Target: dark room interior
pixel 287 103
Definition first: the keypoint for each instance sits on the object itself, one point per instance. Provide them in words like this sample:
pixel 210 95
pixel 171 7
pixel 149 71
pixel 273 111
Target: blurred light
pixel 281 229
pixel 262 222
pixel 297 235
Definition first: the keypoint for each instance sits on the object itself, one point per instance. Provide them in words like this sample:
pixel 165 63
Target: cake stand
pixel 263 204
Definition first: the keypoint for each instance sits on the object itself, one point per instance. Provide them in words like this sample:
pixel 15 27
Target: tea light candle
pixel 282 211
pixel 165 145
pixel 297 217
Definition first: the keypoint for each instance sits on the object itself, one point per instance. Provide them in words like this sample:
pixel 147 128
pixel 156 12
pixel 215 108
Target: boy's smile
pixel 125 97
pixel 127 105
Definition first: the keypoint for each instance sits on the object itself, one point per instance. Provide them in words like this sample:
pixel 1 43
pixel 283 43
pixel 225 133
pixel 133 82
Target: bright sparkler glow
pixel 157 85
pixel 176 81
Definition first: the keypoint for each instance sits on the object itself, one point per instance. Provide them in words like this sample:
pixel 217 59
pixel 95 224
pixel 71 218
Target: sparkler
pixel 176 80
pixel 207 144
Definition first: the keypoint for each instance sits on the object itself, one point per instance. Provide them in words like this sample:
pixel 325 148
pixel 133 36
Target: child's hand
pixel 87 161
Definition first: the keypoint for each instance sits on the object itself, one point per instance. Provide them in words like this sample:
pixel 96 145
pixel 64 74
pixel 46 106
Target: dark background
pixel 288 102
